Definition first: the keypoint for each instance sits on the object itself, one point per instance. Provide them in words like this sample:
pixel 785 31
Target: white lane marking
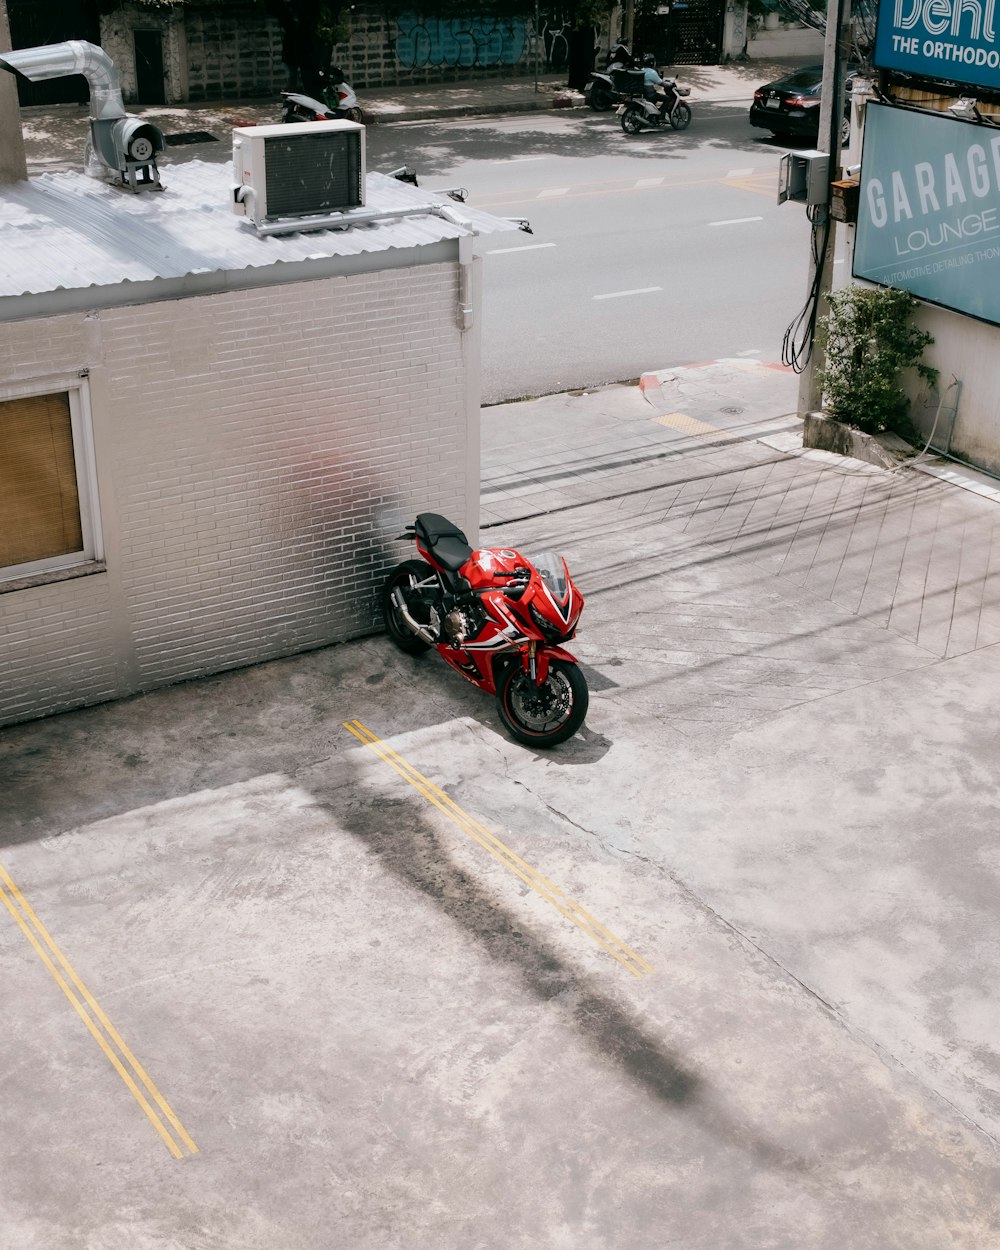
pixel 649 182
pixel 739 173
pixel 518 160
pixel 735 221
pixel 545 195
pixel 528 247
pixel 642 290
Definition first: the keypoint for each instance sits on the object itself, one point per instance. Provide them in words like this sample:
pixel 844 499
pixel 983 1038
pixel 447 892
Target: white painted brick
pixel 245 467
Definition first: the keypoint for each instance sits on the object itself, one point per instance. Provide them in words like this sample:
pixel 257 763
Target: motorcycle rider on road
pixel 654 88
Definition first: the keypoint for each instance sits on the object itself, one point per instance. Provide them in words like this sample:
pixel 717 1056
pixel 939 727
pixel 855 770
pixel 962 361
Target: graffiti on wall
pixel 474 41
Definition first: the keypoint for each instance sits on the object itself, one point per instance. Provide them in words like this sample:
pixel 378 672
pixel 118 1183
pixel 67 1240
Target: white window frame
pixel 76 386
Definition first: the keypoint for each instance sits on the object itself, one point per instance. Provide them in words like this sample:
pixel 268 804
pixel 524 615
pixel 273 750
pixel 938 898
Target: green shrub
pixel 870 342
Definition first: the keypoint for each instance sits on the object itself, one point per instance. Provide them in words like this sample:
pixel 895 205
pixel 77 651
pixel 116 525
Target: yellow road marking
pixel 503 854
pixel 684 424
pixel 760 184
pixel 524 197
pixel 46 949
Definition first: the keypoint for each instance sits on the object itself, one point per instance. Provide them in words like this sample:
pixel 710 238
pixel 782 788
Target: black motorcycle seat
pixel 450 546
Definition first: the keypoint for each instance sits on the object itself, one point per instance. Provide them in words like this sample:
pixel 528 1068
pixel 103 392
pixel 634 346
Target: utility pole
pixel 822 247
pixel 629 25
pixel 13 163
pixel 538 35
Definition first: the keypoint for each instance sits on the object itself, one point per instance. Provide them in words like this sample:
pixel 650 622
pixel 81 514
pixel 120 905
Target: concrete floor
pixel 719 973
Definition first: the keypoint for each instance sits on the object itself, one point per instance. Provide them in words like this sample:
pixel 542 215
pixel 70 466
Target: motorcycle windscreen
pixel 553 572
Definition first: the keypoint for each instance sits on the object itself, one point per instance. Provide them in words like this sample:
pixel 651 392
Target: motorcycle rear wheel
pixel 680 118
pixel 404 576
pixel 631 121
pixel 543 716
pixel 354 115
pixel 600 100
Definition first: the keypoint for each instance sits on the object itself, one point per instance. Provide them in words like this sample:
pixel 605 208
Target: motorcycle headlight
pixel 549 631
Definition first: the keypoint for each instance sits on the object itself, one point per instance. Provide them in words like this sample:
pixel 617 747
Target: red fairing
pixel 482 567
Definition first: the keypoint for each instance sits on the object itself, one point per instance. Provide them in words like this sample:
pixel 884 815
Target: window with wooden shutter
pixel 47 496
pixel 39 499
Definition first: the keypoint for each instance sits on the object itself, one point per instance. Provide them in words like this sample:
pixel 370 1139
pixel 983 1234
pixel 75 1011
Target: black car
pixel 790 107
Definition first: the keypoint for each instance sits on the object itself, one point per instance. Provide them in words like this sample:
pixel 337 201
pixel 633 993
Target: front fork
pixel 535 665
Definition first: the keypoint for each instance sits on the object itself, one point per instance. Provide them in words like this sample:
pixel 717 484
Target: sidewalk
pixel 54 136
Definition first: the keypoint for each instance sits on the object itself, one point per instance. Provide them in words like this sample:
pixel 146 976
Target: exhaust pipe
pixel 76 56
pixel 420 630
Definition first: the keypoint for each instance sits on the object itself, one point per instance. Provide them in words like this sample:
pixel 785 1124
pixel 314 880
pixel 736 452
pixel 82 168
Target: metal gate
pixel 687 32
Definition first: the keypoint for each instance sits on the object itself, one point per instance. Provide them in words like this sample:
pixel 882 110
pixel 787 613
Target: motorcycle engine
pixel 461 624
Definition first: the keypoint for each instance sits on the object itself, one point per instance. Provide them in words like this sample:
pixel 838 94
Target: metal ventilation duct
pixel 123 144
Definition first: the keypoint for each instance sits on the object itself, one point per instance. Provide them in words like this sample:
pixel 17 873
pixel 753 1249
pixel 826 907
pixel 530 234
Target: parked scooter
pixel 635 111
pixel 600 92
pixel 338 103
pixel 497 617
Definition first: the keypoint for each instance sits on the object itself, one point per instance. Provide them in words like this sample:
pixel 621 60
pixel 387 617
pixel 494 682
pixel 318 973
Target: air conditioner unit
pixel 305 169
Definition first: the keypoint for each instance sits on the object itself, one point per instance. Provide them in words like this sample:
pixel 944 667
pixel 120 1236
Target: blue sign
pixel 929 212
pixel 949 40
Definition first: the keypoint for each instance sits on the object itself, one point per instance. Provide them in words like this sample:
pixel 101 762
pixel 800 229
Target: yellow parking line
pixel 47 951
pixel 503 854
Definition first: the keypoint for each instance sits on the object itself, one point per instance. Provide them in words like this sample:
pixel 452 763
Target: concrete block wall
pixel 234 53
pixel 394 51
pixel 256 453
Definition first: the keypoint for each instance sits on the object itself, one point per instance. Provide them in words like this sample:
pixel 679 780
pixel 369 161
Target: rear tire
pixel 354 115
pixel 543 716
pixel 680 118
pixel 405 576
pixel 631 120
pixel 599 100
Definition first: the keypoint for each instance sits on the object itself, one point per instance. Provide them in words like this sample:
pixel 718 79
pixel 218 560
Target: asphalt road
pixel 646 252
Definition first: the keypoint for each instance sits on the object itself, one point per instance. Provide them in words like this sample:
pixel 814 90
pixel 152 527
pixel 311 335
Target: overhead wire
pixel 799 337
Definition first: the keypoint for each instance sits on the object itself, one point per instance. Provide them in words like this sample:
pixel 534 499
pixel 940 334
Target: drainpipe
pixel 13 164
pixel 469 289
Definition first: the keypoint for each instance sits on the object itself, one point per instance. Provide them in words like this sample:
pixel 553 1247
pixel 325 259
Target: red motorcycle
pixel 498 618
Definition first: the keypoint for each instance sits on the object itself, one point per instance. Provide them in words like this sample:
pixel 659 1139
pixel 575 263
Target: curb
pixel 376 117
pixel 651 384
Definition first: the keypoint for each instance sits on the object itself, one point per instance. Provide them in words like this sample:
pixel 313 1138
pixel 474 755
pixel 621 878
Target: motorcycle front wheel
pixel 354 115
pixel 631 121
pixel 404 577
pixel 680 118
pixel 545 715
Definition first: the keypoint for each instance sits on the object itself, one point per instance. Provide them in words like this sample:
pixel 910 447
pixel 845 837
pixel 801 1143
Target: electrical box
pixel 845 196
pixel 804 177
pixel 298 170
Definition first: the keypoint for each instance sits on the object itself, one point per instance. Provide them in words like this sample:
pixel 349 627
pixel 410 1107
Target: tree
pixel 863 15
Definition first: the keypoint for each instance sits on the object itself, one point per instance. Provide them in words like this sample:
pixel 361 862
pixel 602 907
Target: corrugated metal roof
pixel 65 231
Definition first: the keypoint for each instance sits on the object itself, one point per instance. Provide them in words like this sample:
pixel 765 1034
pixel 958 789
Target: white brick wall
pixel 255 450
